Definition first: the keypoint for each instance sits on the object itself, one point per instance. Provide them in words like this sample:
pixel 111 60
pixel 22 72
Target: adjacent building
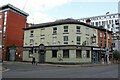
pixel 109 22
pixel 62 41
pixel 12 21
pixel 0 44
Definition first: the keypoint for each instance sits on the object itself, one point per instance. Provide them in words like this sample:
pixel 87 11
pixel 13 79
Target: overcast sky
pixel 41 11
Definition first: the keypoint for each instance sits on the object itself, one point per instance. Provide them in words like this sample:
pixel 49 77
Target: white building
pixel 107 21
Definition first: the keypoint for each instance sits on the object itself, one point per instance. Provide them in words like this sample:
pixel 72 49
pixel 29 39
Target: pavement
pixel 58 65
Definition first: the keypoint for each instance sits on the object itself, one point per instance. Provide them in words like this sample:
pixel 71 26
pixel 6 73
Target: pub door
pixel 42 56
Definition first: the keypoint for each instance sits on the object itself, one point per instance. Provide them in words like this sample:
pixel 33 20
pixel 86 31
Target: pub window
pixel 54 53
pixel 65 53
pixel 30 54
pixel 88 53
pixel 78 54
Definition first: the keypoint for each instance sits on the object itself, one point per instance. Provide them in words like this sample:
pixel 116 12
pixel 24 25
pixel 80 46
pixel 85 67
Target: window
pixel 101 44
pixel 42 40
pixel 55 30
pixel 101 34
pixel 30 54
pixel 78 40
pixel 92 23
pixel 116 21
pixel 54 53
pixel 65 53
pixel 78 29
pixel 87 31
pixel 78 54
pixel 54 40
pixel 110 21
pixel 96 23
pixel 99 23
pixel 113 16
pixel 108 36
pixel 103 23
pixel 31 33
pixel 113 45
pixel 31 42
pixel 87 41
pixel 105 43
pixel 105 35
pixel 88 53
pixel 65 29
pixel 0 16
pixel 113 25
pixel 65 39
pixel 43 32
pixel 93 40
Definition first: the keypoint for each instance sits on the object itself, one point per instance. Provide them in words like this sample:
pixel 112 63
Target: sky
pixel 41 11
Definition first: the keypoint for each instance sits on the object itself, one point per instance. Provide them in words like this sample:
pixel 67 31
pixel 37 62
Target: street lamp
pixel 107 48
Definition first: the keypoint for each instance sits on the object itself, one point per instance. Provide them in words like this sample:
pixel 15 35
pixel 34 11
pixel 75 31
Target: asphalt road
pixel 21 70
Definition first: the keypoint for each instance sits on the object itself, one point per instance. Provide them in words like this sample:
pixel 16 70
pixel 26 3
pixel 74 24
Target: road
pixel 21 70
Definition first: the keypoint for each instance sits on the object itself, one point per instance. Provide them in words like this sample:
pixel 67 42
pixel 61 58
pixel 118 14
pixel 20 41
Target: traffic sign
pixel 107 50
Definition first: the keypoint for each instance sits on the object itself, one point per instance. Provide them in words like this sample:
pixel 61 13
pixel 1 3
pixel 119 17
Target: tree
pixel 116 55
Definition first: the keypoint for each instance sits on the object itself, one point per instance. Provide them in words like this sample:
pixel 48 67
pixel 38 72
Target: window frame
pixel 65 40
pixel 66 56
pixel 65 29
pixel 78 53
pixel 54 53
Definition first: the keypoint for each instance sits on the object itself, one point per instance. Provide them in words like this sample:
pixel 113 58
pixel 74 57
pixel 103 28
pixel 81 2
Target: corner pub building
pixel 62 41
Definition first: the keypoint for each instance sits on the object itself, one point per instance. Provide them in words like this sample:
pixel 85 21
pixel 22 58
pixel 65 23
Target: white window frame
pixel 65 29
pixel 65 39
pixel 54 31
pixel 78 41
pixel 78 29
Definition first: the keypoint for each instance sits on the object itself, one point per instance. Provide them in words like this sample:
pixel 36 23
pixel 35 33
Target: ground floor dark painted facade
pixel 65 54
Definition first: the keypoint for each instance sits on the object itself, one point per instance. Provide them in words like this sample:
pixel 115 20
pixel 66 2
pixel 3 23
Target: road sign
pixel 107 50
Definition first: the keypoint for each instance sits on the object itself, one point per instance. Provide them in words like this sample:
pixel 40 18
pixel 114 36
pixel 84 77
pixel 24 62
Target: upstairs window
pixel 31 33
pixel 65 29
pixel 55 30
pixel 65 38
pixel 101 34
pixel 78 29
pixel 78 40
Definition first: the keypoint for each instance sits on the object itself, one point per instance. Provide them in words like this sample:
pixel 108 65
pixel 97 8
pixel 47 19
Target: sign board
pixel 107 50
pixel 41 47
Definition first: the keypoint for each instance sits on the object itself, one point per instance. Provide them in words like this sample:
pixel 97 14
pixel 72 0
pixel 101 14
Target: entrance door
pixel 42 57
pixel 12 54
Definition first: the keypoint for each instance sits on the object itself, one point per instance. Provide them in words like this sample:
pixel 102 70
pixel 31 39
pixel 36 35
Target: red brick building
pixel 104 41
pixel 0 37
pixel 102 38
pixel 0 44
pixel 13 20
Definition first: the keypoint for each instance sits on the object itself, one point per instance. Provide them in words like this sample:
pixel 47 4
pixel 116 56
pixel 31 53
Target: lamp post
pixel 107 48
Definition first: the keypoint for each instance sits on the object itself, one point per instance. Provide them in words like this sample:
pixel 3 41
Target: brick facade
pixel 15 22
